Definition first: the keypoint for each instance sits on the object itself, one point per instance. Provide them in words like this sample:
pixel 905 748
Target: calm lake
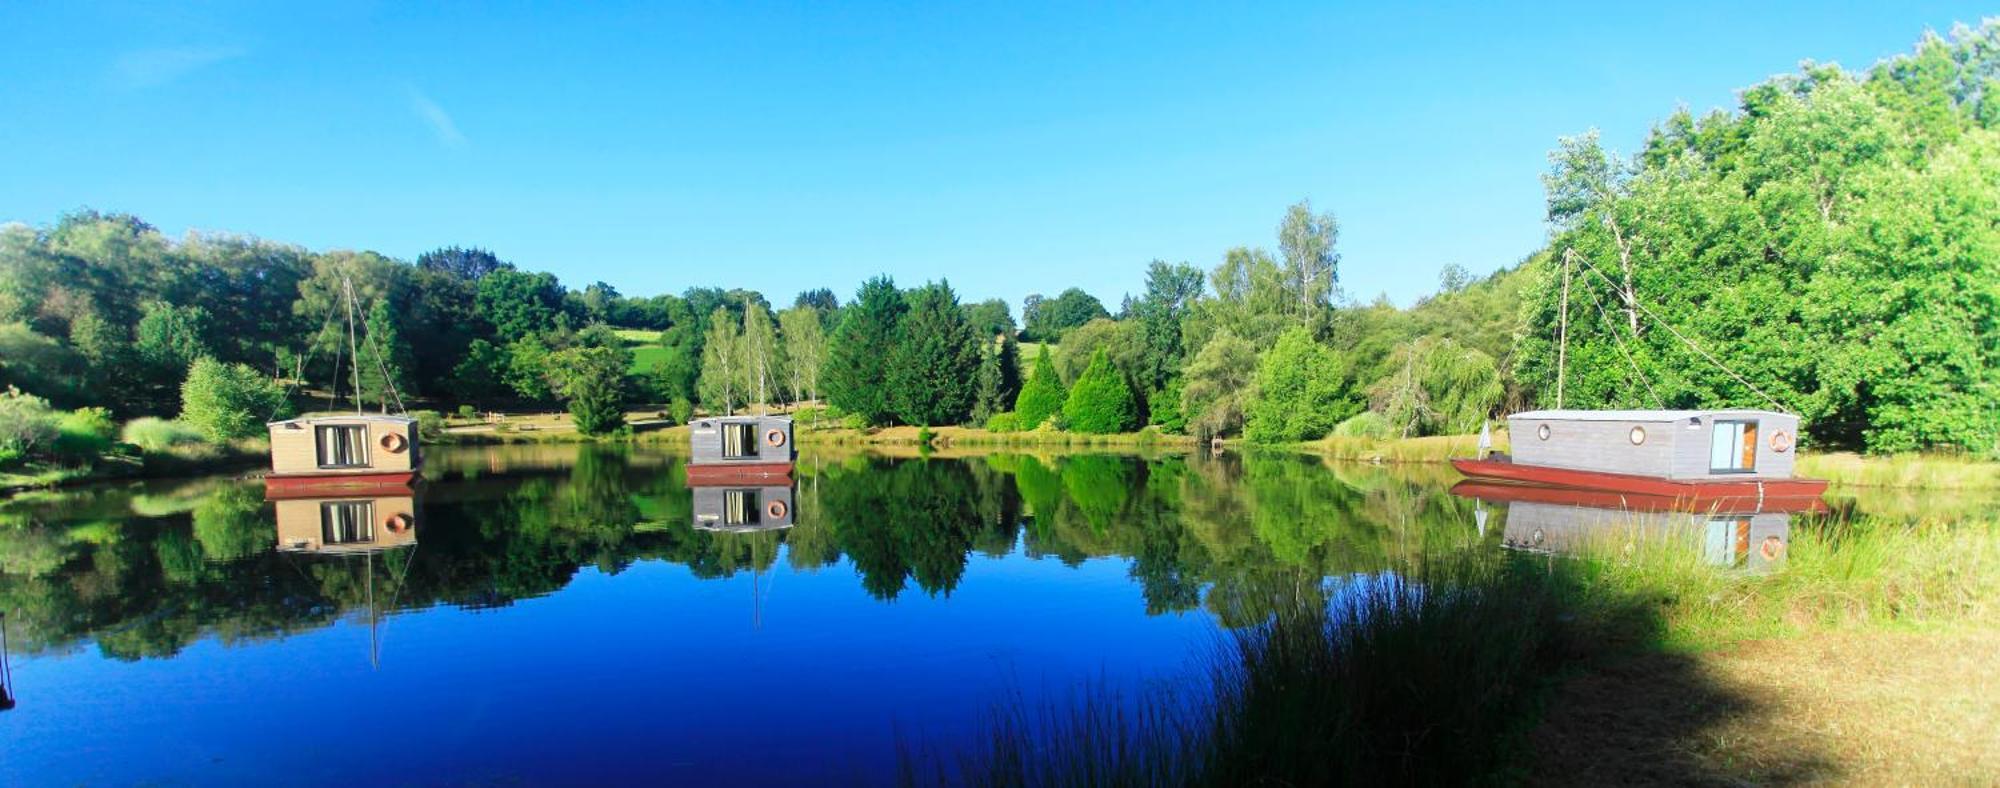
pixel 568 614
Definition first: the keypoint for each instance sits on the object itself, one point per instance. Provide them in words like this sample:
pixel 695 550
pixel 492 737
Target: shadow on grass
pixel 1436 675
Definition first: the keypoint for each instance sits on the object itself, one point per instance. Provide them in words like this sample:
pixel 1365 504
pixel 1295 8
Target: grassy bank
pixel 1445 672
pixel 184 460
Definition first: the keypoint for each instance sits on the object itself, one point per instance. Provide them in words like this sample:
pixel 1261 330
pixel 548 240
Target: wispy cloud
pixel 146 68
pixel 437 118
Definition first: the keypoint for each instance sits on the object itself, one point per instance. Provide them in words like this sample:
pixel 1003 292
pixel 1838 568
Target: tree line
pixel 1827 248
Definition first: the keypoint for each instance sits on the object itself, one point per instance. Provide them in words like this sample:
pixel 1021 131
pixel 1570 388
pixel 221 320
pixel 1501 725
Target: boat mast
pixel 353 347
pixel 1562 333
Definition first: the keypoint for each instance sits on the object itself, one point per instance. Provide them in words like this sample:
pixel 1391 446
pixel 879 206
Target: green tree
pixel 1213 396
pixel 1052 318
pixel 1042 393
pixel 722 362
pixel 229 401
pixel 1437 387
pixel 762 356
pixel 1101 402
pixel 858 379
pixel 518 304
pixel 591 381
pixel 384 358
pixel 805 351
pixel 933 372
pixel 1171 293
pixel 1299 392
pixel 990 318
pixel 1312 269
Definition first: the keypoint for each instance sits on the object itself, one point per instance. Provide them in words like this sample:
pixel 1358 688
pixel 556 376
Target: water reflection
pixel 741 509
pixel 346 521
pixel 1741 533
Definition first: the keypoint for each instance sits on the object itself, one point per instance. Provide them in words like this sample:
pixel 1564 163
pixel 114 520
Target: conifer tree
pixel 933 372
pixel 1042 394
pixel 1101 401
pixel 857 380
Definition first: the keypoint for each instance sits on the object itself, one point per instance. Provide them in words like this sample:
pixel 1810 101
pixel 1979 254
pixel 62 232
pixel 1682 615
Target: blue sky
pixel 1011 148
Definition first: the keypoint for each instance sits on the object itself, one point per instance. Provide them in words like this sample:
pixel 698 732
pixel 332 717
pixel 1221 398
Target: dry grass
pixel 1909 471
pixel 1436 449
pixel 1872 707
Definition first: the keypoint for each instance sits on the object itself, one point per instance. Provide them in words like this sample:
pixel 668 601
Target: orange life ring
pixel 776 509
pixel 775 437
pixel 395 443
pixel 1771 548
pixel 399 523
pixel 1781 441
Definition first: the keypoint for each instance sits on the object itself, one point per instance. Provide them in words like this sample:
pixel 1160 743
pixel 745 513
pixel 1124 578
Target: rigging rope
pixel 1619 342
pixel 1677 334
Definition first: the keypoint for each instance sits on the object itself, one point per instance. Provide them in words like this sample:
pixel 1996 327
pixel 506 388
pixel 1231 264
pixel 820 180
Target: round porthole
pixel 1542 432
pixel 1638 435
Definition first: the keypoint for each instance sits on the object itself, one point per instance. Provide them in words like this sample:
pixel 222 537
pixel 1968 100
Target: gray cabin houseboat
pixel 729 447
pixel 1687 454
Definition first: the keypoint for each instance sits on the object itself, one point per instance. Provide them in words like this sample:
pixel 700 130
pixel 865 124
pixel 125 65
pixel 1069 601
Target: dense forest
pixel 1828 247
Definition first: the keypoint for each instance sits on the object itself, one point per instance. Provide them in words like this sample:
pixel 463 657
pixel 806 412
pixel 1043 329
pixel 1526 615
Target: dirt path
pixel 1871 708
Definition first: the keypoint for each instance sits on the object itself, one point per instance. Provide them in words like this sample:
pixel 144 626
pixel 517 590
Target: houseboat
pixel 343 450
pixel 728 448
pixel 1692 456
pixel 349 520
pixel 740 509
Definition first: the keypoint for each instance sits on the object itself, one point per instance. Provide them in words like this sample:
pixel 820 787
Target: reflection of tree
pixel 1235 535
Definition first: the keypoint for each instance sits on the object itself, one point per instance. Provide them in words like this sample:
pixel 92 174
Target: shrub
pixel 468 413
pixel 27 425
pixel 157 435
pixel 1042 394
pixel 430 424
pixel 1100 402
pixel 1366 424
pixel 1164 407
pixel 84 433
pixel 681 410
pixel 1007 421
pixel 228 401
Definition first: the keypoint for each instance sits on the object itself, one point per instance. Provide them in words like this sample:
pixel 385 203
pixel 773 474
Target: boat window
pixel 1733 447
pixel 343 446
pixel 739 507
pixel 347 522
pixel 739 440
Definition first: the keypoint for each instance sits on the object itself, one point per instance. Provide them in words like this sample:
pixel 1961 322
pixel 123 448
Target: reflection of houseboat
pixel 740 447
pixel 340 450
pixel 1691 455
pixel 1732 532
pixel 349 520
pixel 741 508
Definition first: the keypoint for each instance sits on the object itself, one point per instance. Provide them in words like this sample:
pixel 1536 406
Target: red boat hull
pixel 1689 491
pixel 762 474
pixel 295 486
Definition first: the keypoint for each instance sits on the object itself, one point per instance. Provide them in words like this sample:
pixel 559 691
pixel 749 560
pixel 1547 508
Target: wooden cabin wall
pixel 705 441
pixel 1691 447
pixel 1593 446
pixel 297 450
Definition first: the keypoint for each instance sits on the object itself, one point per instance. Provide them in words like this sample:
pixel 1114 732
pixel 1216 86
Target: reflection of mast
pixel 6 669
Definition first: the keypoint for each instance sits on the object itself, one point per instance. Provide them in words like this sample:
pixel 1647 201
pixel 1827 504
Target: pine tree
pixel 857 380
pixel 932 375
pixel 1042 394
pixel 1010 372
